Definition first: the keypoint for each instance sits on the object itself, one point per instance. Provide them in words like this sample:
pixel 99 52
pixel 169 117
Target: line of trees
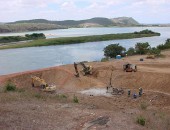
pixel 164 46
pixel 34 36
pixel 143 48
pixel 140 48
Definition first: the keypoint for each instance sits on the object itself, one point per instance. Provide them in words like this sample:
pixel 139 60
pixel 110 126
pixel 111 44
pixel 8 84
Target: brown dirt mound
pixel 59 76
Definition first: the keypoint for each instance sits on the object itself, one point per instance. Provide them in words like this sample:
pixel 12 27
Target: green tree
pixel 35 36
pixel 113 49
pixel 164 46
pixel 142 48
pixel 154 51
pixel 131 51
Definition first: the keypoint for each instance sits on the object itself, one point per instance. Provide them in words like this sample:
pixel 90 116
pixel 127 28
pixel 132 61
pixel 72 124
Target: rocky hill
pixel 125 21
pixel 43 24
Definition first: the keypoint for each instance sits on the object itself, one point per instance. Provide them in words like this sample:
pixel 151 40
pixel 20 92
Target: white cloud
pixel 69 9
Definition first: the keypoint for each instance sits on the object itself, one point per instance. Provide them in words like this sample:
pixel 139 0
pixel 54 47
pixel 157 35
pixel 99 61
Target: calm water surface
pixel 18 60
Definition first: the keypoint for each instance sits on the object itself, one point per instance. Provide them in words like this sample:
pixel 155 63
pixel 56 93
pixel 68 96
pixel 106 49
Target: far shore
pixel 77 40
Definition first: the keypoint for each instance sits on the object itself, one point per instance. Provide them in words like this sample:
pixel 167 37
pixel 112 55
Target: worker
pixel 77 73
pixel 33 83
pixel 134 95
pixel 129 92
pixel 140 91
pixel 107 89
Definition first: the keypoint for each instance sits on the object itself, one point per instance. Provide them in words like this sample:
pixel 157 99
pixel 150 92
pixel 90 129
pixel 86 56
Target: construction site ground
pixel 30 108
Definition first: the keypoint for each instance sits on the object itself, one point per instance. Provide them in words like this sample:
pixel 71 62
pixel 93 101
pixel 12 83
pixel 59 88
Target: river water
pixel 23 59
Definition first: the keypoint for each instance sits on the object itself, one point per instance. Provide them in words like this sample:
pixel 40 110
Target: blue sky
pixel 144 11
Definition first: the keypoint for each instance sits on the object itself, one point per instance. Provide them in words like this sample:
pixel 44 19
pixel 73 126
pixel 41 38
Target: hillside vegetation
pixel 43 24
pixel 24 27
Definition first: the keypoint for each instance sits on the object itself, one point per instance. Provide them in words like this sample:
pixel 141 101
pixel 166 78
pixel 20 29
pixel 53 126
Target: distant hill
pixel 125 21
pixel 24 27
pixel 43 24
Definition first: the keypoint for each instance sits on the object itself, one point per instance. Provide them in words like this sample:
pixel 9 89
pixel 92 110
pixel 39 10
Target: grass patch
pixel 104 59
pixel 143 105
pixel 75 99
pixel 161 56
pixel 39 96
pixel 81 39
pixel 10 87
pixel 62 96
pixel 20 90
pixel 141 120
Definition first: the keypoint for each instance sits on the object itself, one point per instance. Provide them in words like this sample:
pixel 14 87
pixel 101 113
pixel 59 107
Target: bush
pixel 104 59
pixel 113 50
pixel 154 51
pixel 20 90
pixel 62 96
pixel 143 106
pixel 131 51
pixel 35 36
pixel 164 46
pixel 10 87
pixel 146 31
pixel 75 99
pixel 141 120
pixel 7 39
pixel 142 48
pixel 39 96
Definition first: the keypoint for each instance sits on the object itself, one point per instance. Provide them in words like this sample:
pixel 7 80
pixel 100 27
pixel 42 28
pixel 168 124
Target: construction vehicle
pixel 129 67
pixel 111 89
pixel 43 85
pixel 86 70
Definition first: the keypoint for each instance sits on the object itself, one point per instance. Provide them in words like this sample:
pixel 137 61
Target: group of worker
pixel 135 95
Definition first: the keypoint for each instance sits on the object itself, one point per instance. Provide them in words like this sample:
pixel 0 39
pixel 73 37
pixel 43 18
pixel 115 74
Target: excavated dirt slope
pixel 153 74
pixel 28 109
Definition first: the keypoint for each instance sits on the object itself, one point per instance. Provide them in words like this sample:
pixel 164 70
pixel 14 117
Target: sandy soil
pixel 29 108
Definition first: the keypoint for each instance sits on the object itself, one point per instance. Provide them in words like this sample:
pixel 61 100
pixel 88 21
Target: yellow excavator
pixel 86 70
pixel 149 56
pixel 43 85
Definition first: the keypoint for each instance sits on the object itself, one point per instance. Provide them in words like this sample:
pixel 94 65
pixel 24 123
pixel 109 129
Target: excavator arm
pixel 86 69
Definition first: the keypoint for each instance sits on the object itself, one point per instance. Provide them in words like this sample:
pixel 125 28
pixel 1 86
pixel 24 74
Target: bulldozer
pixel 113 90
pixel 86 70
pixel 43 85
pixel 149 56
pixel 129 67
